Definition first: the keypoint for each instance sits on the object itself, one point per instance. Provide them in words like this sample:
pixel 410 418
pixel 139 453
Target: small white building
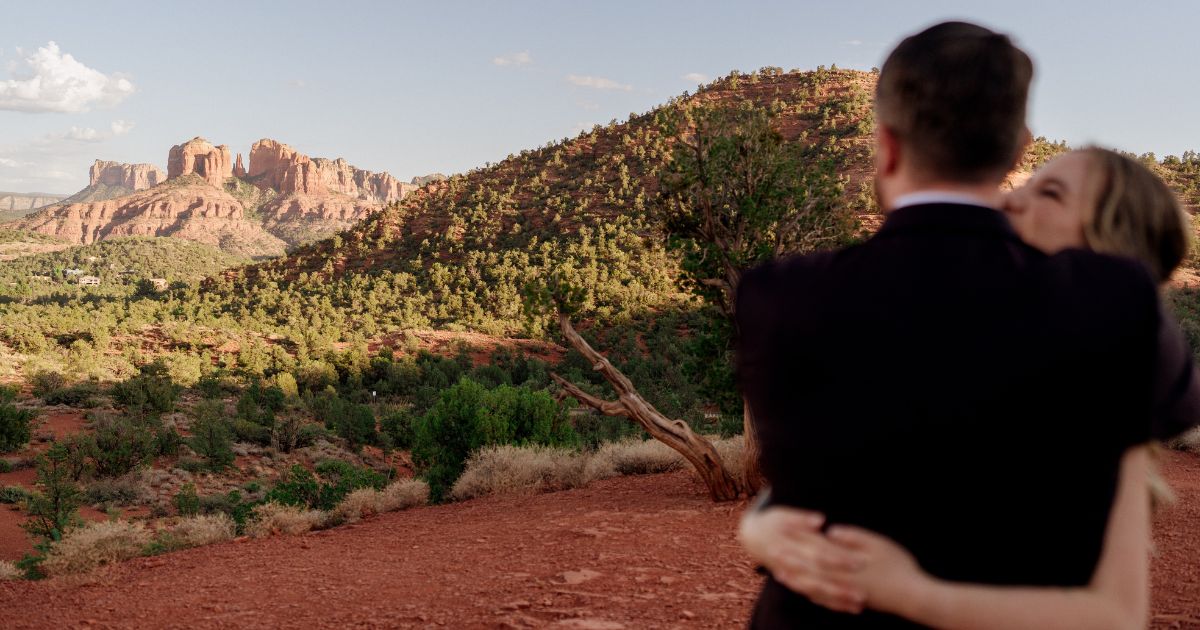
pixel 73 272
pixel 89 281
pixel 159 284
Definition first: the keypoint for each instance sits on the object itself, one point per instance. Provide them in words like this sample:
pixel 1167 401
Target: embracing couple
pixel 955 416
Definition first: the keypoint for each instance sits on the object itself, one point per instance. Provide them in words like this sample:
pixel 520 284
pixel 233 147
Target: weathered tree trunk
pixel 674 433
pixel 750 470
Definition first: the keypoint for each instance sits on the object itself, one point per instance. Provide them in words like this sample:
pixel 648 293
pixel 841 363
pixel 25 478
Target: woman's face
pixel 1049 210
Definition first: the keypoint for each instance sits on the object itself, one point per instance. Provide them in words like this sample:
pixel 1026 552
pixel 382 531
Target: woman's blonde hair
pixel 1136 215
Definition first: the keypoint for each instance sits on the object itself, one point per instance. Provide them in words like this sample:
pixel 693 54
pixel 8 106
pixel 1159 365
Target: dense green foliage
pixel 326 487
pixel 469 416
pixel 14 423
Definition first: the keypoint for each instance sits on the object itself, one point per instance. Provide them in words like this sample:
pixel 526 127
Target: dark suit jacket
pixel 951 387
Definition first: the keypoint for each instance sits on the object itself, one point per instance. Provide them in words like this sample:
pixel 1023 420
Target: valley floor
pixel 630 552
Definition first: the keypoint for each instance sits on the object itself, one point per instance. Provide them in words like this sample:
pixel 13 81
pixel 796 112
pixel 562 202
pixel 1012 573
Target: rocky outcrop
pixel 238 169
pixel 428 179
pixel 19 202
pixel 188 208
pixel 199 156
pixel 279 167
pixel 131 176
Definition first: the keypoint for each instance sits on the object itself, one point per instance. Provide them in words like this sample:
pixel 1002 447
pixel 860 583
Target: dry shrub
pixel 366 502
pixel 732 451
pixel 204 529
pixel 634 457
pixel 516 470
pixel 95 544
pixel 357 505
pixel 273 518
pixel 9 571
pixel 403 494
pixel 1189 441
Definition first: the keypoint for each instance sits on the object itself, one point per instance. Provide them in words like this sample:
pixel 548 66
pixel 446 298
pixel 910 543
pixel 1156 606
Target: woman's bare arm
pixel 866 569
pixel 1117 597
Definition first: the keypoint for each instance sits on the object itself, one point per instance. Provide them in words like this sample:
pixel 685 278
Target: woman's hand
pixel 789 543
pixel 888 576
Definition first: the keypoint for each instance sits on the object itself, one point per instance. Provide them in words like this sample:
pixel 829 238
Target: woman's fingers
pixel 851 537
pixel 823 592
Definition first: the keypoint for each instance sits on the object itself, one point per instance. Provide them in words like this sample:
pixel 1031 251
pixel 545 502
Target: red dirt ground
pixel 632 552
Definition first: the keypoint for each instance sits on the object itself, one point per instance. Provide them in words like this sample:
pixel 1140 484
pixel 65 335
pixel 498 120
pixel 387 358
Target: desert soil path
pixel 633 552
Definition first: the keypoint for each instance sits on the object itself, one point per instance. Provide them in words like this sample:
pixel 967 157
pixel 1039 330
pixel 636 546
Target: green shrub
pixel 150 392
pixel 7 394
pixel 54 508
pixel 46 381
pixel 122 445
pixel 15 428
pixel 106 493
pixel 168 441
pixel 352 422
pixel 81 395
pixel 398 426
pixel 332 481
pixel 259 404
pixel 13 494
pixel 250 432
pixel 469 416
pixel 186 501
pixel 211 435
pixel 5 466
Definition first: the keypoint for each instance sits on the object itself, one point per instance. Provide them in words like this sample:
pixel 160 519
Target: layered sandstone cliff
pixel 187 207
pixel 20 202
pixel 294 199
pixel 279 167
pixel 132 176
pixel 213 164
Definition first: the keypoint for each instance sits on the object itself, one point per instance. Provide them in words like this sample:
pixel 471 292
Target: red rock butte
pixel 276 166
pixel 199 156
pixel 131 176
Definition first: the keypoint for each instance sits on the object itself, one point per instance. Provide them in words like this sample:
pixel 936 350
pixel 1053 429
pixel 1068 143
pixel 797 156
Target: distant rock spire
pixel 238 169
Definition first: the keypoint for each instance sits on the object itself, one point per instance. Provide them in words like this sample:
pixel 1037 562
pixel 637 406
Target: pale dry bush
pixel 273 518
pixel 519 470
pixel 9 571
pixel 403 494
pixel 633 457
pixel 95 544
pixel 365 502
pixel 732 451
pixel 203 529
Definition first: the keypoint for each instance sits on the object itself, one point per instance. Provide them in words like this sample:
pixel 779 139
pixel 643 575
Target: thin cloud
pixel 88 134
pixel 299 84
pixel 12 163
pixel 853 42
pixel 696 77
pixel 513 59
pixel 50 80
pixel 597 83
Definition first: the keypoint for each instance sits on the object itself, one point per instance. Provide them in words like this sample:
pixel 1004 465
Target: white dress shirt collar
pixel 922 197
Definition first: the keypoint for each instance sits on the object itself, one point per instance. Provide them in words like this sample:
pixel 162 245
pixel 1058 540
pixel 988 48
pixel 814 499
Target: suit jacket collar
pixel 947 217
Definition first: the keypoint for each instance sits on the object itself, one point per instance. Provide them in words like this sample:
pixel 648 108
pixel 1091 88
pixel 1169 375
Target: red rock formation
pixel 196 212
pixel 279 167
pixel 131 176
pixel 238 169
pixel 202 158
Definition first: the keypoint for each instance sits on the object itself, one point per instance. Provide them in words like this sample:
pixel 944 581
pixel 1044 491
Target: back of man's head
pixel 955 96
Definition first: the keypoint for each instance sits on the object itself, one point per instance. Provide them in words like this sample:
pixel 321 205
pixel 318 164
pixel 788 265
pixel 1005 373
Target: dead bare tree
pixel 674 433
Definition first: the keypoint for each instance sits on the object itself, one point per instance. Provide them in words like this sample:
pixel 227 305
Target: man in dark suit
pixel 943 383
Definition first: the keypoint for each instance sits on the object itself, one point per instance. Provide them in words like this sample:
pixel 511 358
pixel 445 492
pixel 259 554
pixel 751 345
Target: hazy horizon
pixel 412 88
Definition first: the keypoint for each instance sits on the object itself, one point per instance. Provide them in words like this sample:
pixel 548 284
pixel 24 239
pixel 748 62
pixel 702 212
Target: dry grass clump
pixel 634 457
pixel 273 518
pixel 1189 441
pixel 9 571
pixel 366 502
pixel 517 470
pixel 732 451
pixel 403 494
pixel 203 529
pixel 95 544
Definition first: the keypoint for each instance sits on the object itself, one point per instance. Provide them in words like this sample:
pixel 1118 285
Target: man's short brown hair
pixel 955 95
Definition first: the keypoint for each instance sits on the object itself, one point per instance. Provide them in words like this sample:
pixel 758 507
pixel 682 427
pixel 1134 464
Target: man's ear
pixel 887 151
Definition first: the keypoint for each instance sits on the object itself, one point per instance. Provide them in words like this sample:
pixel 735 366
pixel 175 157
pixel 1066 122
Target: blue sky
pixel 417 87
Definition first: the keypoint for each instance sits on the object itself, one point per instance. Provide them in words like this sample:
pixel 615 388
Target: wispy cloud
pixel 50 80
pixel 696 77
pixel 853 42
pixel 88 134
pixel 513 59
pixel 299 84
pixel 597 83
pixel 6 162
